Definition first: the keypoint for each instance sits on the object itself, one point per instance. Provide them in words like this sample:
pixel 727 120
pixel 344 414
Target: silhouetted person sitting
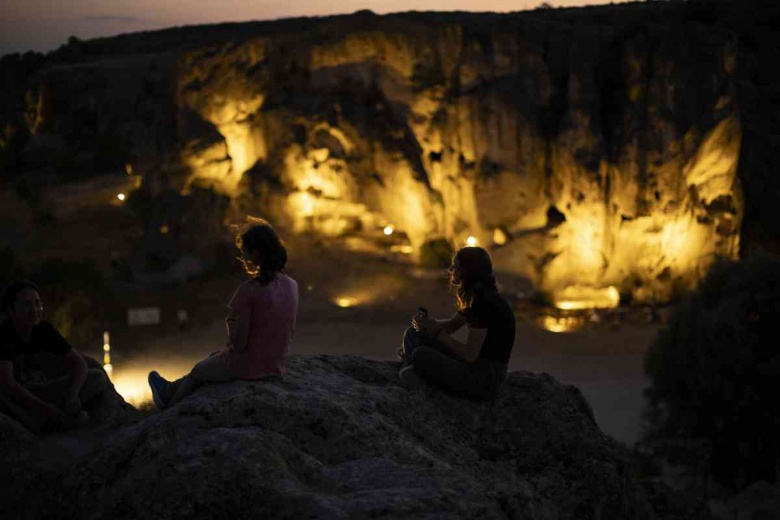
pixel 475 369
pixel 44 382
pixel 260 323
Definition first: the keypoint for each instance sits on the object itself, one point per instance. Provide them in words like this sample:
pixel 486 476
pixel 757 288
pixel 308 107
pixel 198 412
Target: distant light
pixel 107 354
pixel 121 196
pixel 132 386
pixel 562 324
pixel 471 241
pixel 404 249
pixel 164 229
pixel 346 301
pixel 579 298
pixel 305 203
pixel 500 237
pixel 389 230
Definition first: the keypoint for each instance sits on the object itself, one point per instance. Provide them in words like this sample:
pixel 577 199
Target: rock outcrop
pixel 449 126
pixel 337 438
pixel 447 129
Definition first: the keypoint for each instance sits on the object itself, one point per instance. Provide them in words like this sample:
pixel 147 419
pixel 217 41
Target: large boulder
pixel 336 438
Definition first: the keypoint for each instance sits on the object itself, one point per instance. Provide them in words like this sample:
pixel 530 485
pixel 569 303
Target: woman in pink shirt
pixel 260 323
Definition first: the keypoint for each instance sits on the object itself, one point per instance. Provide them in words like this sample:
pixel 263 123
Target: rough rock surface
pixel 337 438
pixel 26 459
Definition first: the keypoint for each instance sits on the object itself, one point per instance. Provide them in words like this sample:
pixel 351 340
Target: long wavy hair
pixel 477 282
pixel 261 238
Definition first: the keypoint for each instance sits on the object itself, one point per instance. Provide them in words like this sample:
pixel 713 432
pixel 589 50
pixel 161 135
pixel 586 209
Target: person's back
pixel 260 323
pixel 272 309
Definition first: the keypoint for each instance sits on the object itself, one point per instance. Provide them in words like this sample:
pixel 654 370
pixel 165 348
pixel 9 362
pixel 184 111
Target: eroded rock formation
pixel 338 438
pixel 455 126
pixel 446 130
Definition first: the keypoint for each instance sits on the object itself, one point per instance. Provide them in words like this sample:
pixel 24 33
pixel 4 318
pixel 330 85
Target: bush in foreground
pixel 715 371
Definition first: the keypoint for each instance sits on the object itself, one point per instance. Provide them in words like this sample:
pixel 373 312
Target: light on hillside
pixel 107 366
pixel 561 324
pixel 346 302
pixel 579 298
pixel 121 196
pixel 500 237
pixel 471 241
pixel 389 230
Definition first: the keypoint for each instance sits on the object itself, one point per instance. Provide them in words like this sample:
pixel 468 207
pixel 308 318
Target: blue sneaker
pixel 159 387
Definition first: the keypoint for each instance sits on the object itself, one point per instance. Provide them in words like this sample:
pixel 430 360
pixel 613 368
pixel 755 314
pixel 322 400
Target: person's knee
pixel 197 373
pixel 96 380
pixel 422 356
pixel 98 377
pixel 210 370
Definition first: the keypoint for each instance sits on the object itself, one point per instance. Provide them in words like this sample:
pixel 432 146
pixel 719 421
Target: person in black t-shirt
pixel 475 369
pixel 43 381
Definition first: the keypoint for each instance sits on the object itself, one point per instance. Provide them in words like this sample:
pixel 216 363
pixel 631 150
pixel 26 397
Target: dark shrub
pixel 715 370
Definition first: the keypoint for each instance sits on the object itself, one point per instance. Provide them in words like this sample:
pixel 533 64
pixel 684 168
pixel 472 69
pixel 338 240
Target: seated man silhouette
pixel 44 382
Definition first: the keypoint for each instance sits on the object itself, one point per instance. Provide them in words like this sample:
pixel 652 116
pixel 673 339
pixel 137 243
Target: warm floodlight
pixel 471 241
pixel 579 298
pixel 562 324
pixel 121 196
pixel 500 237
pixel 389 230
pixel 346 302
pixel 107 366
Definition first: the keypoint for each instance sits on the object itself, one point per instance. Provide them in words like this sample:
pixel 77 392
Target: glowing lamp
pixel 346 302
pixel 389 230
pixel 107 354
pixel 404 249
pixel 471 241
pixel 579 298
pixel 133 388
pixel 562 324
pixel 500 237
pixel 121 196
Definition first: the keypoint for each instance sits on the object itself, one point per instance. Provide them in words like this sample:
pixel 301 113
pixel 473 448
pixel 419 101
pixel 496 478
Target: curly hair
pixel 262 239
pixel 477 281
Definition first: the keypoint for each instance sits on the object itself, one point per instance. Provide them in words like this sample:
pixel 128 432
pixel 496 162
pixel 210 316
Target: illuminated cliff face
pixel 444 133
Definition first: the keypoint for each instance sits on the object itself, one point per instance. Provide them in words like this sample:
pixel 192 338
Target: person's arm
pixel 11 388
pixel 453 324
pixel 242 326
pixel 232 330
pixel 77 372
pixel 238 306
pixel 469 350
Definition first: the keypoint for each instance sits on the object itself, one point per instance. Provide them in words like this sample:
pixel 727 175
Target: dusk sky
pixel 43 25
